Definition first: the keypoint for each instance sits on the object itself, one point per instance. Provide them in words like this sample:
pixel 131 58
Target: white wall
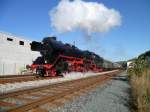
pixel 13 56
pixel 130 64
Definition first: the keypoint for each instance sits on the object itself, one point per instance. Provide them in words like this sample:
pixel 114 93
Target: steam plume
pixel 87 16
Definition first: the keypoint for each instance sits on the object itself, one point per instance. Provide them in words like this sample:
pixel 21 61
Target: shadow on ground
pixel 121 78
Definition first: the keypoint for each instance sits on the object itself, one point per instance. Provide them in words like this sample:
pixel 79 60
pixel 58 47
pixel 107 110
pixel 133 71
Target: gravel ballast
pixel 112 96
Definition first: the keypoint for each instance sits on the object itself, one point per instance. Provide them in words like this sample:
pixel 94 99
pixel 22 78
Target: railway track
pixel 16 78
pixel 21 78
pixel 34 100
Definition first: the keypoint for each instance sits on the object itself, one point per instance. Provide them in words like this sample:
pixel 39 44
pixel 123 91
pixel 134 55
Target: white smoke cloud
pixel 87 16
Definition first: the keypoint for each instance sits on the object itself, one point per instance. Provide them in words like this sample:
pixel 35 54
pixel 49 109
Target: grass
pixel 140 84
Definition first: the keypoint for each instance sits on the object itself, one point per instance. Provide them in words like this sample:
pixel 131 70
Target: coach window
pixel 9 39
pixel 21 42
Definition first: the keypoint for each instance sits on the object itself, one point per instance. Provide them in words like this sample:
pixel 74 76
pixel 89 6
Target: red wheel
pixel 53 72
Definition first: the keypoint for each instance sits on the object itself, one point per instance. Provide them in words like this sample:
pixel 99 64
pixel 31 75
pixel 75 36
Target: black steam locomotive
pixel 57 57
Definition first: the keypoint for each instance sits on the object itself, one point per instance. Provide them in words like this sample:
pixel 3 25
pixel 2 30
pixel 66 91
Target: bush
pixel 139 76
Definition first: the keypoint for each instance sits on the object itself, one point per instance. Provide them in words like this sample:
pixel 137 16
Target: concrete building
pixel 15 54
pixel 130 64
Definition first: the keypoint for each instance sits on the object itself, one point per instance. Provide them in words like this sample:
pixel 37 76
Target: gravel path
pixel 111 97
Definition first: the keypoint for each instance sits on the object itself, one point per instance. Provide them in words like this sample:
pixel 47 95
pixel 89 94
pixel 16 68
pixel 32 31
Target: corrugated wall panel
pixel 13 56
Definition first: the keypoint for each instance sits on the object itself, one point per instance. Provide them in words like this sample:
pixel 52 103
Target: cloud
pixel 89 17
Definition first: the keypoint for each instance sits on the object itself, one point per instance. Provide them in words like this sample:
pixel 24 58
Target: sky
pixel 30 18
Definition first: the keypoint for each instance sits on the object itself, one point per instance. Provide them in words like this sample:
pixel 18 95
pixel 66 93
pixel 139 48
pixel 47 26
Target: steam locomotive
pixel 57 58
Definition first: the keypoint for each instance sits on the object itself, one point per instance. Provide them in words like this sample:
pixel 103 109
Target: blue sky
pixel 30 18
